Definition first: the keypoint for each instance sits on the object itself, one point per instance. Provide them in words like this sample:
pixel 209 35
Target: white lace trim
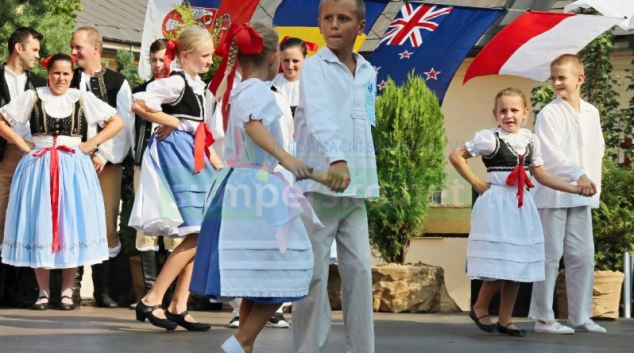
pixel 52 101
pixel 517 142
pixel 286 294
pixel 478 276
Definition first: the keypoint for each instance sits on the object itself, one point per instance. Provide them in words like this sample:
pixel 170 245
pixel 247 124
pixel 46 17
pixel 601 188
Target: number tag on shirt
pixel 370 97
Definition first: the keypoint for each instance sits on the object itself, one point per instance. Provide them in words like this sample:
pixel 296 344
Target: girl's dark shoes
pixel 189 326
pixel 490 328
pixel 41 306
pixel 66 307
pixel 515 332
pixel 145 312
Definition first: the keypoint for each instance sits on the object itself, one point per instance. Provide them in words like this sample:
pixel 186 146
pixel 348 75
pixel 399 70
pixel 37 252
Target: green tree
pixel 52 18
pixel 409 141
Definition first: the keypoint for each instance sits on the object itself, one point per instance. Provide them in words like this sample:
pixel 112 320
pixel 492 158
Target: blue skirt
pixel 170 197
pixel 28 227
pixel 237 253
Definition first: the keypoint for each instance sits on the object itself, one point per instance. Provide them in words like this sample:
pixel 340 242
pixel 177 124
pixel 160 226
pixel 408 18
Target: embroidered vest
pixel 504 158
pixel 32 82
pixel 188 105
pixel 42 124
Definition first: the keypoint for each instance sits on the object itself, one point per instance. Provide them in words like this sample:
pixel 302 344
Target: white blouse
pixel 18 111
pixel 484 144
pixel 167 90
pixel 251 100
pixel 288 89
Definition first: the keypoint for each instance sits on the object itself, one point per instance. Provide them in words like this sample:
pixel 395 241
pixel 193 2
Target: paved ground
pixel 92 330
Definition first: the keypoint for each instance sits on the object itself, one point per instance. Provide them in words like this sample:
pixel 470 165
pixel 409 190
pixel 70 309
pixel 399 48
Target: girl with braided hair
pixel 175 173
pixel 253 245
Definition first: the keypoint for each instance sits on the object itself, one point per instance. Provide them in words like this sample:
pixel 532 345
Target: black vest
pixel 504 158
pixel 104 84
pixel 142 128
pixel 188 105
pixel 32 82
pixel 42 124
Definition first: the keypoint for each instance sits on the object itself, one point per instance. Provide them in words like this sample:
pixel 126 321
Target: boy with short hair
pixel 333 132
pixel 572 147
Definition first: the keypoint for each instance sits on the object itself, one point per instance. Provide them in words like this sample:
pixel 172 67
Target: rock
pixel 402 288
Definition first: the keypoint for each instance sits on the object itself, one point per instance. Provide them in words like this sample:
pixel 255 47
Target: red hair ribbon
pixel 309 45
pixel 518 176
pixel 54 169
pixel 45 62
pixel 249 42
pixel 170 54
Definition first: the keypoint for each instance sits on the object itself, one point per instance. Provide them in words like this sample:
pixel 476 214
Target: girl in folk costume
pixel 293 51
pixel 56 217
pixel 175 172
pixel 506 242
pixel 253 244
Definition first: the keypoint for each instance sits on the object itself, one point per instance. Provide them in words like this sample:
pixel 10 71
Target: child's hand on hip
pixel 482 187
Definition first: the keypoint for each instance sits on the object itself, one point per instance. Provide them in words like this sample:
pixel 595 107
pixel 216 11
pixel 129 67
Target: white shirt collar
pixel 328 55
pixel 13 74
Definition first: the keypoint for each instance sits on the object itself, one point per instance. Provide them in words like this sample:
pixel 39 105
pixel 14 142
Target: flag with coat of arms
pixel 162 20
pixel 432 40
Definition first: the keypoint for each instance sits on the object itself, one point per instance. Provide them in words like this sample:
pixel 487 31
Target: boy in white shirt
pixel 572 148
pixel 333 133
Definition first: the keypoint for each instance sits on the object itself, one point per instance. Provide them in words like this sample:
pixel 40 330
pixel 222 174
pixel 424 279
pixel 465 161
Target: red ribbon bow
pixel 54 169
pixel 171 49
pixel 309 45
pixel 45 62
pixel 249 42
pixel 518 176
pixel 202 141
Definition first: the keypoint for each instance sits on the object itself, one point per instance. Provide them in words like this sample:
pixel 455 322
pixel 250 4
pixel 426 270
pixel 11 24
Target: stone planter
pixel 606 294
pixel 402 288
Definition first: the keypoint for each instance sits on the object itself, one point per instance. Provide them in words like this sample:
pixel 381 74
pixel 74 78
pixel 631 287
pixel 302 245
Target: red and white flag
pixel 612 8
pixel 528 45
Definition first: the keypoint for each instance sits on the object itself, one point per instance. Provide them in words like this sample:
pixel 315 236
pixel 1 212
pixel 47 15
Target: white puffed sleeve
pixel 536 159
pixel 18 111
pixel 483 144
pixel 256 101
pixel 165 90
pixel 96 110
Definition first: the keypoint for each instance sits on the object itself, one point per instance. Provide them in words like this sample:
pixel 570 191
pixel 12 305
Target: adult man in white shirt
pixel 112 87
pixel 15 78
pixel 572 147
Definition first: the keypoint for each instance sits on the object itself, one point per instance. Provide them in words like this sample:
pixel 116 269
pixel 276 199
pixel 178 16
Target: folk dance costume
pixel 506 240
pixel 176 173
pixel 147 245
pixel 253 244
pixel 56 218
pixel 11 86
pixel 573 146
pixel 288 89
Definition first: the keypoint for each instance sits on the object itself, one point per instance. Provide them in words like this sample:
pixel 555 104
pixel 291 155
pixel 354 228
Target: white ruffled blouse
pixel 483 144
pixel 288 89
pixel 18 111
pixel 251 100
pixel 168 89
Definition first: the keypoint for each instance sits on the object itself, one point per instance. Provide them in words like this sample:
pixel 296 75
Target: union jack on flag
pixel 432 40
pixel 413 20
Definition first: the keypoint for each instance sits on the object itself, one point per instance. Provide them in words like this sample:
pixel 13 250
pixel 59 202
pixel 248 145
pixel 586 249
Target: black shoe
pixel 510 331
pixel 103 301
pixel 189 326
pixel 490 328
pixel 66 307
pixel 145 312
pixel 277 321
pixel 100 282
pixel 235 322
pixel 41 306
